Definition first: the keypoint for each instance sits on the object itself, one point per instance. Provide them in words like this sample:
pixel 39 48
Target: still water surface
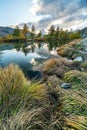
pixel 25 54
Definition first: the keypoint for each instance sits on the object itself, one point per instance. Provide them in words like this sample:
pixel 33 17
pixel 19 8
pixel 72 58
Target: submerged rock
pixel 65 85
pixel 34 75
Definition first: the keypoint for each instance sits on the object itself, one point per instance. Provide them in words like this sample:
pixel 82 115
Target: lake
pixel 25 55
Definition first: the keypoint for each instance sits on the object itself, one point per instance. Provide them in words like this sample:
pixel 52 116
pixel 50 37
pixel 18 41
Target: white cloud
pixel 64 13
pixel 35 1
pixel 34 9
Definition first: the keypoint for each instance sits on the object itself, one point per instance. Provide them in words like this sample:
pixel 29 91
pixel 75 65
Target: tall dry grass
pixel 38 106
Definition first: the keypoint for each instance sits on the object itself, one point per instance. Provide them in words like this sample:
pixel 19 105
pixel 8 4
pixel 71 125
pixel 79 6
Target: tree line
pixel 56 36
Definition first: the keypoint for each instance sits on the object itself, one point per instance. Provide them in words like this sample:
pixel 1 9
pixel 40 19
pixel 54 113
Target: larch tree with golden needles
pixel 25 30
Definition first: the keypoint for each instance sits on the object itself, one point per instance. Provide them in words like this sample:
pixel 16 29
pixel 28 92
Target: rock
pixel 86 49
pixel 79 58
pixel 65 85
pixel 82 69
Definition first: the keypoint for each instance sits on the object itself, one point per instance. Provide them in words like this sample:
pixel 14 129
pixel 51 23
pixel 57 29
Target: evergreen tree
pixel 51 30
pixel 57 32
pixel 16 31
pixel 39 34
pixel 33 29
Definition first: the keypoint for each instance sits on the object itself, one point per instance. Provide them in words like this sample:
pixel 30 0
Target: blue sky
pixel 44 13
pixel 14 11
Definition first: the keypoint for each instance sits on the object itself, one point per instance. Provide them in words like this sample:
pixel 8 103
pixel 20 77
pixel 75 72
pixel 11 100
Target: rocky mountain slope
pixel 5 31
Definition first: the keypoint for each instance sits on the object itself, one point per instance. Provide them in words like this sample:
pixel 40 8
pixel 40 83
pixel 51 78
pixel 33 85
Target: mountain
pixel 6 30
pixel 84 32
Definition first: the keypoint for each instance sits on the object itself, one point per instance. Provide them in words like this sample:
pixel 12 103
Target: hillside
pixel 5 31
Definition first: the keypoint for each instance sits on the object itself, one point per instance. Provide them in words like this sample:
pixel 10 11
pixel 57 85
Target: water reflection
pixel 24 54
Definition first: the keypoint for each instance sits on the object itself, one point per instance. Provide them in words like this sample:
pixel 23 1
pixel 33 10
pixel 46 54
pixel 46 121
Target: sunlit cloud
pixel 64 13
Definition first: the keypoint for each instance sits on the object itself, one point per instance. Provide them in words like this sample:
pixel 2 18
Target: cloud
pixel 64 13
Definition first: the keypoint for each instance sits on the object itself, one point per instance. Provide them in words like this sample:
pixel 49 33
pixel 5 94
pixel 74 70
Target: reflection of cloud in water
pixel 53 52
pixel 33 61
pixel 36 45
pixel 46 47
pixel 43 50
pixel 14 50
pixel 28 47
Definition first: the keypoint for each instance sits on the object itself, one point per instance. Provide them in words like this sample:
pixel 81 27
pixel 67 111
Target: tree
pixel 33 29
pixel 57 32
pixel 32 32
pixel 21 34
pixel 75 35
pixel 51 30
pixel 39 34
pixel 16 31
pixel 9 36
pixel 25 30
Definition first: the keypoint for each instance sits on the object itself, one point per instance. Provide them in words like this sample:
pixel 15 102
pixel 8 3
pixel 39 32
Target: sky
pixel 44 13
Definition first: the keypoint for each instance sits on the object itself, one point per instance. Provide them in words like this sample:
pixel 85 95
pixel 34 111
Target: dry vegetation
pixel 45 105
pixel 76 77
pixel 69 50
pixel 57 67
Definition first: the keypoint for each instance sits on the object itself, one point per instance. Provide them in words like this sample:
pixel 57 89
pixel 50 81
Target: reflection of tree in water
pixel 32 48
pixel 25 52
pixel 55 42
pixel 18 46
pixel 39 45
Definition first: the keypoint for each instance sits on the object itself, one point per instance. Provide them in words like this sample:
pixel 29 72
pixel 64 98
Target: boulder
pixel 65 85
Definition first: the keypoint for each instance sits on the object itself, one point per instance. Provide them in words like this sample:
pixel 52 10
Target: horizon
pixel 44 13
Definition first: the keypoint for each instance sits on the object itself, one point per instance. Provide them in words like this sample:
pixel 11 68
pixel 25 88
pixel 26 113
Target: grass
pixel 76 77
pixel 37 106
pixel 70 50
pixel 12 80
pixel 57 67
pixel 49 64
pixel 16 91
pixel 84 65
